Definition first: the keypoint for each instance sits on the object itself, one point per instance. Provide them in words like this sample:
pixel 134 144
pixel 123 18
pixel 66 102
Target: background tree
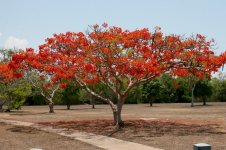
pixel 151 90
pixel 35 98
pixel 45 86
pixel 168 86
pixel 16 94
pixel 6 55
pixel 183 91
pixel 134 96
pixel 203 90
pixel 198 61
pixel 13 90
pixel 219 87
pixel 70 94
pixel 192 81
pixel 38 69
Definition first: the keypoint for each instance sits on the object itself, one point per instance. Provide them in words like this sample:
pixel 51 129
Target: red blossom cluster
pixel 110 55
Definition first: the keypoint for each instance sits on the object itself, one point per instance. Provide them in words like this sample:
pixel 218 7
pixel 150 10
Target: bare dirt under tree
pixel 167 126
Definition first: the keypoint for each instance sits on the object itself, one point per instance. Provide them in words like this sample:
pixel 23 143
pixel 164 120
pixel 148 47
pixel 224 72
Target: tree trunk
pixel 192 96
pixel 92 102
pixel 204 101
pixel 117 119
pixel 119 123
pixel 51 107
pixel 68 106
pixel 1 105
pixel 1 108
pixel 117 114
pixel 8 109
pixel 151 103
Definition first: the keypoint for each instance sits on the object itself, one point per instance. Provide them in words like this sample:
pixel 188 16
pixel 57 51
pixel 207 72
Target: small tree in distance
pixel 70 94
pixel 203 90
pixel 150 90
pixel 198 62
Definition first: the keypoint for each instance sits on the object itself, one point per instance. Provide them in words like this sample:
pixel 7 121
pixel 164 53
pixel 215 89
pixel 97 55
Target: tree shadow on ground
pixel 201 105
pixel 138 128
pixel 78 109
pixel 152 106
pixel 114 132
pixel 188 105
pixel 28 113
pixel 22 129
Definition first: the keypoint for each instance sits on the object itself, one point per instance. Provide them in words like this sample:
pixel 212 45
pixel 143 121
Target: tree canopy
pixel 119 59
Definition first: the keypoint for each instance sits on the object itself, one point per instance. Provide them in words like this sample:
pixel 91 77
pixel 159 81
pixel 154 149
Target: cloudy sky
pixel 26 23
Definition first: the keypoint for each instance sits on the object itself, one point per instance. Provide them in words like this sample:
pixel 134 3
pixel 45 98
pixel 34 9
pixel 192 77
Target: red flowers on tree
pixel 121 59
pixel 41 70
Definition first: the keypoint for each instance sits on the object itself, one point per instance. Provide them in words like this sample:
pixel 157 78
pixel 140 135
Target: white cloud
pixel 0 34
pixel 16 43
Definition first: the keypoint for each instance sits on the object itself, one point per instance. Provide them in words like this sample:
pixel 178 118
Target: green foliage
pixel 135 96
pixel 167 92
pixel 151 91
pixel 84 96
pixel 15 93
pixel 182 92
pixel 203 89
pixel 6 54
pixel 166 89
pixel 219 89
pixel 162 89
pixel 70 95
pixel 104 91
pixel 36 99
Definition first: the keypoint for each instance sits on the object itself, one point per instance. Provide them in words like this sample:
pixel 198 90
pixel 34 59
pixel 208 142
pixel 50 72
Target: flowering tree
pixel 13 89
pixel 10 86
pixel 38 68
pixel 122 60
pixel 197 61
pixel 119 59
pixel 5 76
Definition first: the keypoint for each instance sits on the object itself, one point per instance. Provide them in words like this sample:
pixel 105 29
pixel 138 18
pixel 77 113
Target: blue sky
pixel 26 23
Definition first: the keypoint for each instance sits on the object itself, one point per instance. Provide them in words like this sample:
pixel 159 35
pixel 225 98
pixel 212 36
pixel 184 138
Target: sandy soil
pixel 25 138
pixel 167 126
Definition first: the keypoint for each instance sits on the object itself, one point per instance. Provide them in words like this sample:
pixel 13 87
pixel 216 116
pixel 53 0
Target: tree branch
pixel 84 85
